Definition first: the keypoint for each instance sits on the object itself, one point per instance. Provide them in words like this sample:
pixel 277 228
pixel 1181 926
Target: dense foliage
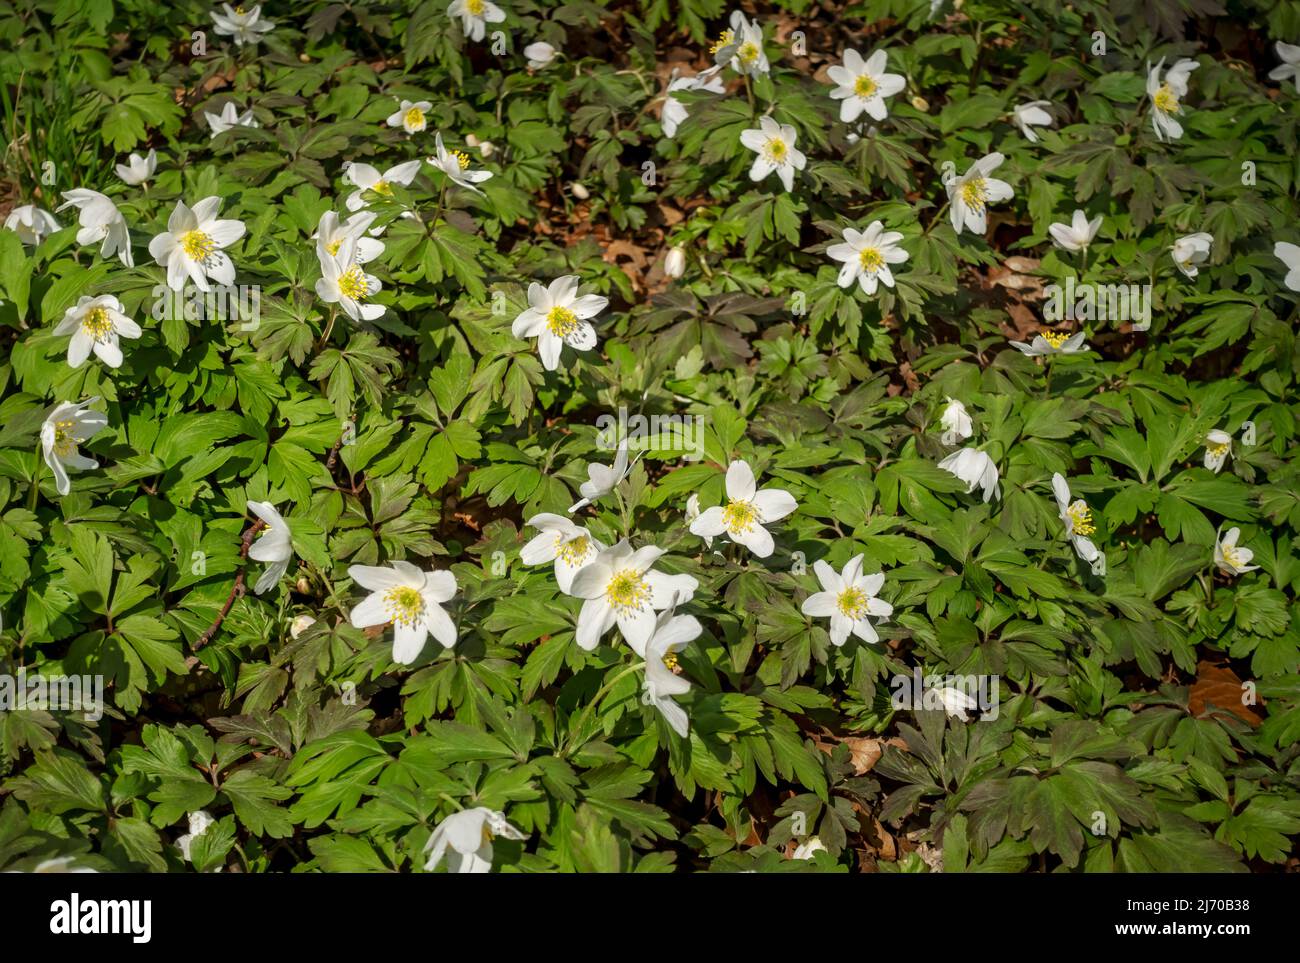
pixel 393 391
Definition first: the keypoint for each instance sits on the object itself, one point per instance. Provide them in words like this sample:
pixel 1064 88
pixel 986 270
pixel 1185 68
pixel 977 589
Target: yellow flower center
pixel 333 247
pixel 414 117
pixel 97 324
pixel 776 151
pixel 574 552
pixel 239 11
pixel 1229 553
pixel 561 321
pixel 1166 100
pixel 748 53
pixel 724 39
pixel 1080 519
pixel 852 603
pixel 475 8
pixel 405 605
pixel 628 591
pixel 671 663
pixel 461 158
pixel 1055 338
pixel 871 259
pixel 382 187
pixel 1218 451
pixel 197 245
pixel 64 441
pixel 864 86
pixel 352 283
pixel 974 193
pixel 739 516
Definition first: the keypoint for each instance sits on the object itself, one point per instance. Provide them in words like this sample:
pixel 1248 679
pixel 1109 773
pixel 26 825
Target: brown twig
pixel 236 590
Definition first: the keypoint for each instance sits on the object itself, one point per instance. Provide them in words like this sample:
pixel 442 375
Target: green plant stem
pixel 590 707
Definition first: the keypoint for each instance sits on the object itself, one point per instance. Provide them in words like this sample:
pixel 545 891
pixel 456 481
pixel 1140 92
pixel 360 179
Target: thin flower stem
pixel 34 495
pixel 937 215
pixel 590 707
pixel 329 328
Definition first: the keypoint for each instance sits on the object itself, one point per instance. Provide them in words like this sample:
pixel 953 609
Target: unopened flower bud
pixel 675 262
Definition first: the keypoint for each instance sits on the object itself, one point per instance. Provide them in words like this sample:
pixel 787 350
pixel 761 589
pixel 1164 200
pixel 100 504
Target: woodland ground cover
pixel 649 436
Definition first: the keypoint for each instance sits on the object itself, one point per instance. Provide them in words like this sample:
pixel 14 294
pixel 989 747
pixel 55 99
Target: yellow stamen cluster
pixel 97 324
pixel 197 245
pixel 1080 519
pixel 974 193
pixel 475 8
pixel 1218 451
pixel 382 188
pixel 1166 100
pixel 414 117
pixel 864 86
pixel 561 322
pixel 671 663
pixel 628 591
pixel 333 247
pixel 352 283
pixel 572 553
pixel 775 150
pixel 64 440
pixel 405 605
pixel 852 603
pixel 724 39
pixel 461 158
pixel 1229 553
pixel 1055 338
pixel 739 517
pixel 871 259
pixel 747 53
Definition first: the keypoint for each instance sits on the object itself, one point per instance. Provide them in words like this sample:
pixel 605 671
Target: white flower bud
pixel 675 262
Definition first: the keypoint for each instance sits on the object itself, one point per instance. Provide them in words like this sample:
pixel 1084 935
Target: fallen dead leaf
pixel 1219 686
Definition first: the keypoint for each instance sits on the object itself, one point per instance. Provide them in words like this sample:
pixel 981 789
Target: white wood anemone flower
pixel 1166 97
pixel 674 111
pixel 192 246
pixel 1052 342
pixel 956 423
pixel 975 468
pixel 867 256
pixel 663 683
pixel 96 324
pixel 366 178
pixel 1076 516
pixel 199 822
pixel 242 26
pixel 774 145
pixel 1078 234
pixel 849 599
pixel 465 838
pixel 344 282
pixel 741 46
pixel 1191 251
pixel 1218 446
pixel 603 479
pixel 539 54
pixel 411 600
pixel 1289 255
pixel 747 513
pixel 100 221
pixel 557 316
pixel 455 164
pixel 411 116
pixel 273 545
pixel 332 233
pixel 567 544
pixel 955 702
pixel 66 426
pixel 621 587
pixel 972 193
pixel 1030 115
pixel 862 85
pixel 1289 69
pixel 475 15
pixel 137 169
pixel 1231 558
pixel 32 224
pixel 229 119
